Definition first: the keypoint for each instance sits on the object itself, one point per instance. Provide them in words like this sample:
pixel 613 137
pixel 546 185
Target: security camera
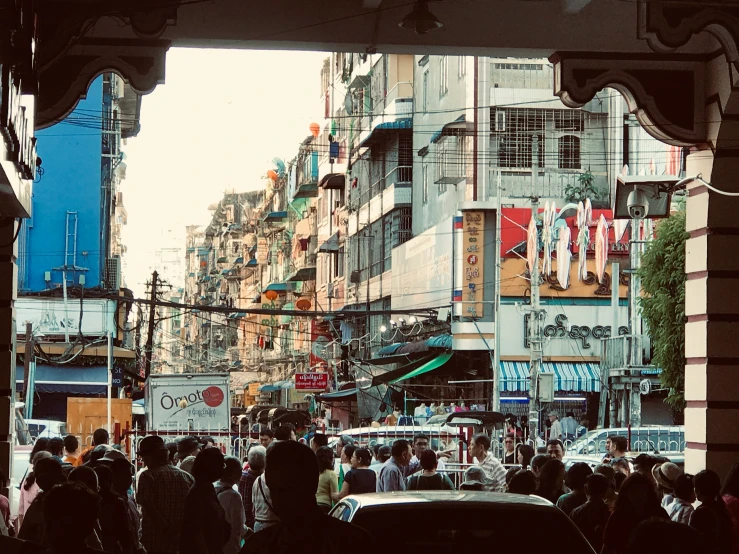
pixel 638 204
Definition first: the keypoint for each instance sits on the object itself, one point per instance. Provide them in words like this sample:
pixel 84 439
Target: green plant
pixel 582 189
pixel 663 303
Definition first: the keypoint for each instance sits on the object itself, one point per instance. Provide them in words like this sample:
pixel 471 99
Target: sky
pixel 216 124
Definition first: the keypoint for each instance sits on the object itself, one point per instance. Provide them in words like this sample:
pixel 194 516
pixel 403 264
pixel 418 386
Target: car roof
pixel 409 430
pixel 447 497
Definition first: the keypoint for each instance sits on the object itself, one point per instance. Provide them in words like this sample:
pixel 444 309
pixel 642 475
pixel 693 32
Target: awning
pixel 251 263
pixel 457 127
pixel 415 347
pixel 277 287
pixel 331 244
pixel 651 372
pixel 567 376
pixel 390 349
pixel 395 374
pixel 416 369
pixel 269 387
pixel 275 216
pixel 347 395
pixel 67 379
pixel 359 81
pixel 335 181
pixel 382 128
pixel 307 273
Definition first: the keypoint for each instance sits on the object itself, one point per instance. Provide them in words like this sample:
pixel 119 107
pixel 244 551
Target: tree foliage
pixel 663 303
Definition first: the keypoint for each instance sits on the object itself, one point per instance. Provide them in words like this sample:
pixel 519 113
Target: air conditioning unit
pixel 330 291
pixel 113 273
pixel 355 277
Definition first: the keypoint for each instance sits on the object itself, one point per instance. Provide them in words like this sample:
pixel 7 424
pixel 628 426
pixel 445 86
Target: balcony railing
pixel 401 174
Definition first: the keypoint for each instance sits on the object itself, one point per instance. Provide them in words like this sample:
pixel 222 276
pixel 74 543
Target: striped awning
pixel 570 377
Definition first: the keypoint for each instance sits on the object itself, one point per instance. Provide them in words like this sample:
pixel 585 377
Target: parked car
pixel 48 428
pixel 651 439
pixel 440 519
pixel 676 458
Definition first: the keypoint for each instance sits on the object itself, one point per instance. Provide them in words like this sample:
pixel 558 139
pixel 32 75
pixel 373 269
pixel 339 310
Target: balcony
pixel 307 184
pixel 304 264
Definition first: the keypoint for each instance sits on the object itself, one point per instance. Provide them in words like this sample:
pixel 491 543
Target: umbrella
pixel 532 244
pixel 563 257
pixel 547 236
pixel 583 238
pixel 601 247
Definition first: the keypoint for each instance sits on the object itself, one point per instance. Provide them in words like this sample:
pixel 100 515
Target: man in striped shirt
pixel 494 470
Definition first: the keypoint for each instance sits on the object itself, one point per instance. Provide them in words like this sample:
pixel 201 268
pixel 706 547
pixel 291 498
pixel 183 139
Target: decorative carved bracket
pixel 666 93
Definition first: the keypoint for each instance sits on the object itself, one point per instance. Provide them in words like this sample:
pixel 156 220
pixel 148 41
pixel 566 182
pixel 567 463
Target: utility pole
pixel 535 337
pixel 150 335
pixel 28 354
pixel 498 241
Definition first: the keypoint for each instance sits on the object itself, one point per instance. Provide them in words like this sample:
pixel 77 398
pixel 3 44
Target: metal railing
pixel 400 174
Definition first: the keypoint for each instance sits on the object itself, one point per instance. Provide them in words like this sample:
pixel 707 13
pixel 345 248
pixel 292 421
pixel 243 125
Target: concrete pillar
pixel 712 310
pixel 8 281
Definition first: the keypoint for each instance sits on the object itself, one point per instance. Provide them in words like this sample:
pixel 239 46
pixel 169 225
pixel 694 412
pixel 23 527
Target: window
pixel 425 99
pixel 569 120
pixel 462 67
pixel 515 142
pixel 387 242
pixel 339 262
pixel 569 152
pixel 425 190
pixel 520 66
pixel 443 75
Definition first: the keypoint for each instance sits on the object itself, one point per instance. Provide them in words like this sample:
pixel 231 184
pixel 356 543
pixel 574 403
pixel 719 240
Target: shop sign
pixel 561 329
pixel 254 389
pixel 262 249
pixel 473 275
pixel 320 336
pixel 316 381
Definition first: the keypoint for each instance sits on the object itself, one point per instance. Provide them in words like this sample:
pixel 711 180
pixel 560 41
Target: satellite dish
pixel 349 103
pixel 645 387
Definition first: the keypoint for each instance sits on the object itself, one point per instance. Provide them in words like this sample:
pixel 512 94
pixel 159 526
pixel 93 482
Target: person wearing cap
pixel 665 476
pixel 474 479
pixel 555 432
pixel 162 491
pixel 187 449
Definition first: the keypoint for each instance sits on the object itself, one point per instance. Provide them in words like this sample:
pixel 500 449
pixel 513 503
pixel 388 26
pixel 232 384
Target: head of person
pixel 616 445
pixel 637 496
pixel 257 459
pixel 570 414
pixel 38 446
pixel 474 479
pixel 537 462
pixel 48 473
pixel 577 475
pixel 343 441
pixel 384 453
pixel 685 488
pixel 525 454
pixel 346 453
pixel 479 446
pixel 172 449
pixel 420 444
pixel 643 464
pixel 619 479
pixel 401 451
pixel 56 446
pixel 596 487
pixel 188 446
pixel 428 460
pixel 361 458
pixel 105 478
pixel 100 436
pixel 553 416
pixel 608 472
pixel 510 473
pixel 208 466
pixel 660 535
pixel 100 451
pixel 621 465
pixel 86 476
pixel 207 442
pixel 70 512
pixel 319 440
pixel 555 449
pixel 71 444
pixel 552 476
pixel 152 451
pixel 123 473
pixel 509 442
pixel 707 486
pixel 231 470
pixel 266 436
pixel 665 475
pixel 285 432
pixel 731 486
pixel 325 458
pixel 292 478
pixel 523 482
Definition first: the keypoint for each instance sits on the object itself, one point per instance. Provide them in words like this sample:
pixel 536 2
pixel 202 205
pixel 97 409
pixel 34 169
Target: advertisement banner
pixel 254 389
pixel 49 316
pixel 316 381
pixel 473 258
pixel 320 336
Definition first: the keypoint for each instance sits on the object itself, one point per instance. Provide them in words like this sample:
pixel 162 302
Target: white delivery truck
pixel 193 403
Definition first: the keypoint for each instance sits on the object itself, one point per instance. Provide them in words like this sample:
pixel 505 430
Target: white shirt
pixel 262 502
pixel 234 508
pixel 556 431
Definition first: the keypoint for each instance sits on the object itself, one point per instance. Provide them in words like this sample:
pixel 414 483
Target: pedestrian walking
pixel 30 488
pixel 328 481
pixel 524 455
pixel 71 449
pixel 609 473
pixel 555 432
pixel 711 518
pixel 575 479
pixel 665 475
pixel 682 507
pixel 292 477
pixel 591 518
pixel 114 523
pixel 428 479
pixel 730 494
pixel 616 447
pixel 551 481
pixel 361 478
pixel 569 427
pixel 555 449
pixel 161 493
pixel 204 528
pixel 99 437
pixel 70 511
pixel 257 458
pixel 232 504
pixel 494 470
pixel 187 449
pixel 123 472
pixel 384 453
pixel 264 513
pixel 391 475
pixel 509 454
pixel 48 473
pixel 537 462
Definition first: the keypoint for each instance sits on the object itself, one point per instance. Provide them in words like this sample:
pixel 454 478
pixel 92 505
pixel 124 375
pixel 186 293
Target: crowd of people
pixel 189 498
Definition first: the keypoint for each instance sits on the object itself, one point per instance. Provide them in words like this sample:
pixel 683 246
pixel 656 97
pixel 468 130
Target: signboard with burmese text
pixel 315 381
pixel 254 389
pixel 473 257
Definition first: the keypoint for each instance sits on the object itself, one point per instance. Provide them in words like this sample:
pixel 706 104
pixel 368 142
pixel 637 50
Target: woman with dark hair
pixel 730 494
pixel 551 481
pixel 637 502
pixel 204 528
pixel 361 479
pixel 428 479
pixel 525 455
pixel 523 482
pixel 711 518
pixel 328 481
pixel 30 488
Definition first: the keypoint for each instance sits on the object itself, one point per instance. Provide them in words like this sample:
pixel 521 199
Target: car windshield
pixel 447 526
pixel 592 442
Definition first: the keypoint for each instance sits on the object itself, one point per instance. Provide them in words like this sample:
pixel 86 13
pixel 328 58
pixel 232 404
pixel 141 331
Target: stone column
pixel 8 278
pixel 712 309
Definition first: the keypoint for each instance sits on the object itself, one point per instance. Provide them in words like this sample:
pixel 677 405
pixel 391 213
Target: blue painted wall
pixel 71 161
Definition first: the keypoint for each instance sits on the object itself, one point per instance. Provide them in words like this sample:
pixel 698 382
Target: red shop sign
pixel 311 381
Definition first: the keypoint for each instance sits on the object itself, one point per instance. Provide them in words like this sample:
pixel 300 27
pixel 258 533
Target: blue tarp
pixel 68 379
pixel 398 125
